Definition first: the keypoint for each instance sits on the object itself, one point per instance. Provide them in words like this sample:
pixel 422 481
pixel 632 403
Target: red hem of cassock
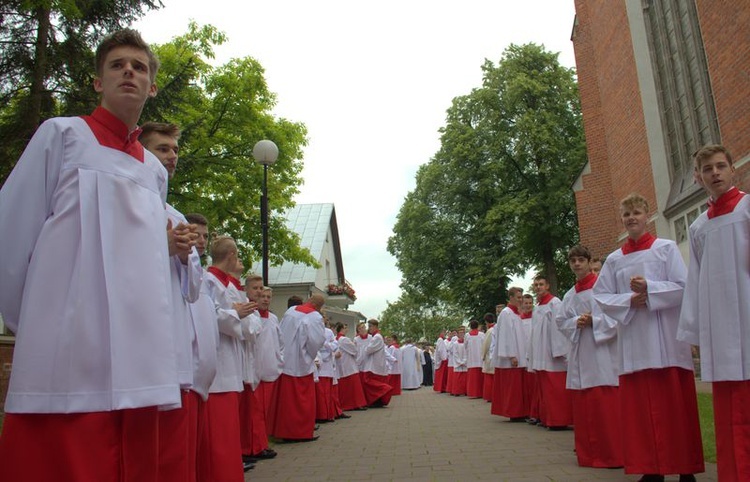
pixel 598 433
pixel 324 399
pixel 268 390
pixel 497 392
pixel 450 376
pixel 511 400
pixel 178 440
pixel 732 422
pixel 459 383
pixel 294 411
pixel 351 395
pixel 246 419
pixel 535 395
pixel 474 383
pixel 394 380
pixel 376 388
pixel 556 399
pixel 259 440
pixel 119 446
pixel 336 400
pixel 660 426
pixel 487 386
pixel 220 460
pixel 441 378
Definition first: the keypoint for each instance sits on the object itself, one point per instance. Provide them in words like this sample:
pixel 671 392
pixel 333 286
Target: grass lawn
pixel 706 415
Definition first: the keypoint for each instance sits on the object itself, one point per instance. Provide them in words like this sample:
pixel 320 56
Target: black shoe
pixel 558 428
pixel 517 419
pixel 360 409
pixel 323 420
pixel 316 427
pixel 532 421
pixel 247 466
pixel 266 454
pixel 249 459
pixel 343 415
pixel 651 478
pixel 687 478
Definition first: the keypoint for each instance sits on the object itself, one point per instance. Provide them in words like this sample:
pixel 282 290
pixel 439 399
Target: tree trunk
pixel 32 116
pixel 548 258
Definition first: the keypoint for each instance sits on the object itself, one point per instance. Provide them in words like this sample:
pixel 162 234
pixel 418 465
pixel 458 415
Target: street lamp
pixel 265 152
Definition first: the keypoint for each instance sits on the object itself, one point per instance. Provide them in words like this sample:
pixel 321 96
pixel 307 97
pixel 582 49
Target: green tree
pixel 496 198
pixel 223 111
pixel 413 318
pixel 46 58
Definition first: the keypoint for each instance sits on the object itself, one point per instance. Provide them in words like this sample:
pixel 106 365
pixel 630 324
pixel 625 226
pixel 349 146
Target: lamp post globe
pixel 265 152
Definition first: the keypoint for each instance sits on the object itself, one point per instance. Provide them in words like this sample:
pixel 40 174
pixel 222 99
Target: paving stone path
pixel 424 436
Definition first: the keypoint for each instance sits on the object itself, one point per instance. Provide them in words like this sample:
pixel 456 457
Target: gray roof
pixel 311 222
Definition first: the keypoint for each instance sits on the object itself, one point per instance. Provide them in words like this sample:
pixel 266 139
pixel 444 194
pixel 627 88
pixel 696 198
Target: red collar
pixel 338 335
pixel 725 204
pixel 225 278
pixel 460 340
pixel 113 133
pixel 396 345
pixel 364 337
pixel 642 243
pixel 544 299
pixel 526 316
pixel 586 283
pixel 263 313
pixel 491 325
pixel 513 308
pixel 305 308
pixel 473 332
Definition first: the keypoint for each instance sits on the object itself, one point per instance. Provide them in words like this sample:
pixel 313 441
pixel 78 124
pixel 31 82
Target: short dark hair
pixel 195 218
pixel 165 128
pixel 293 300
pixel 707 152
pixel 489 318
pixel 126 37
pixel 579 250
pixel 473 324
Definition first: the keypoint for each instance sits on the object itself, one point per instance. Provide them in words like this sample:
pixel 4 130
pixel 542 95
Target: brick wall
pixel 727 45
pixel 613 122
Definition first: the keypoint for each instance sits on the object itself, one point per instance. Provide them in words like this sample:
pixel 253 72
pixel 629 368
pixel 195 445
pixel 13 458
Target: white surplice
pixel 486 353
pixel 347 364
pixel 375 358
pixel 303 335
pixel 716 306
pixel 592 361
pixel 646 336
pixel 548 347
pixel 84 276
pixel 411 368
pixel 474 349
pixel 269 349
pixel 508 340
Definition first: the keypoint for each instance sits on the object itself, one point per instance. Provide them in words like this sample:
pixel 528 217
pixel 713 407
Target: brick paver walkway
pixel 424 436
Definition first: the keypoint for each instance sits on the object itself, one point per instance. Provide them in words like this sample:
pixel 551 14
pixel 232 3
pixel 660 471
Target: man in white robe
pixel 411 370
pixel 440 363
pixel 303 332
pixel 716 307
pixel 508 350
pixel 592 369
pixel 474 378
pixel 548 353
pixel 85 287
pixel 375 379
pixel 640 290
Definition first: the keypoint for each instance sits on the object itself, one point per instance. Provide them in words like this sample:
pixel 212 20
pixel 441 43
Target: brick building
pixel 658 79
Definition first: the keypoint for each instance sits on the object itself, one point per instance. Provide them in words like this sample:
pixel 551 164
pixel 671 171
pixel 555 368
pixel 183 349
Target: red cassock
pixel 474 382
pixel 508 398
pixel 253 434
pixel 487 388
pixel 351 394
pixel 221 458
pixel 293 413
pixel 324 409
pixel 459 383
pixel 732 422
pixel 449 380
pixel 555 398
pixel 535 395
pixel 598 432
pixel 661 432
pixel 441 377
pixel 376 388
pixel 394 380
pixel 119 446
pixel 178 440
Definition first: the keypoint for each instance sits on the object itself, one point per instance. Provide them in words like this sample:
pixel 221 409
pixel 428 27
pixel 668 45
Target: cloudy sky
pixel 371 81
